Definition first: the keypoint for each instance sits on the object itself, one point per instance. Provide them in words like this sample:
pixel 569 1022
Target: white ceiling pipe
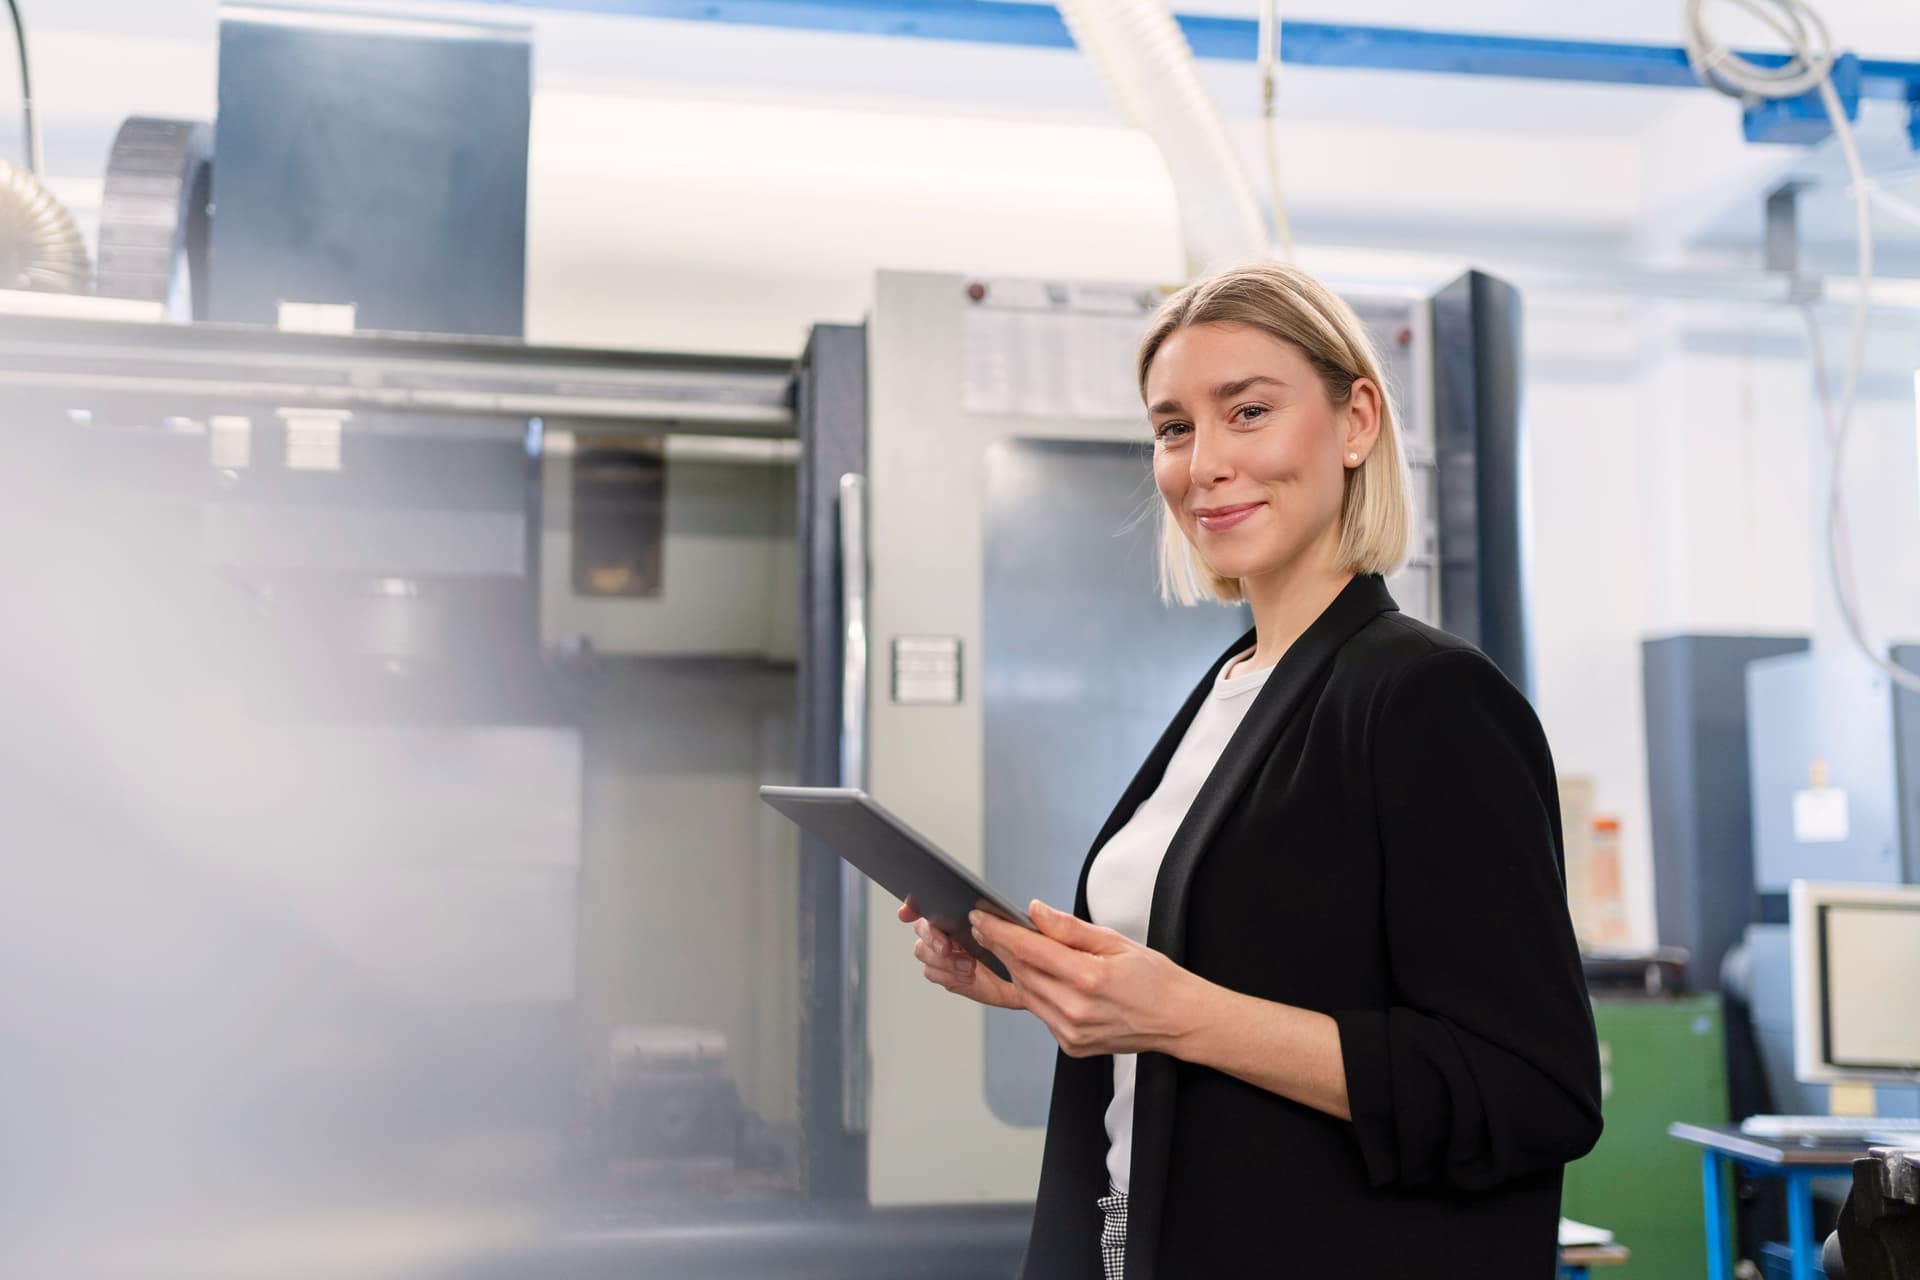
pixel 1148 67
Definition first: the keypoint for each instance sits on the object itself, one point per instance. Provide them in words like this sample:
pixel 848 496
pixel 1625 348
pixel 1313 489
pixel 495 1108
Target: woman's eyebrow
pixel 1225 391
pixel 1228 390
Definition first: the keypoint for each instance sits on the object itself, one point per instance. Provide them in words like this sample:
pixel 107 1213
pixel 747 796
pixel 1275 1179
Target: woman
pixel 1319 1004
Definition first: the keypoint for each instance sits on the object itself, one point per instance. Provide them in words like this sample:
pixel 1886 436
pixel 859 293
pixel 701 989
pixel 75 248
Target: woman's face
pixel 1249 453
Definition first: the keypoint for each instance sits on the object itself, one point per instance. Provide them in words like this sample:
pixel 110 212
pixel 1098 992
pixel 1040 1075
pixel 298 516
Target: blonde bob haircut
pixel 1289 304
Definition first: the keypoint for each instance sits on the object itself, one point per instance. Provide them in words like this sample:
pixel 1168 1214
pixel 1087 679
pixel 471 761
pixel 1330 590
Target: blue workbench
pixel 1796 1163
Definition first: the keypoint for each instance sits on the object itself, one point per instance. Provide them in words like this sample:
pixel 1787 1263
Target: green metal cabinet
pixel 1661 1060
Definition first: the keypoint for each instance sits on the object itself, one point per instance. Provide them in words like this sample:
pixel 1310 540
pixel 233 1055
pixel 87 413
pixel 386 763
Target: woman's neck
pixel 1286 601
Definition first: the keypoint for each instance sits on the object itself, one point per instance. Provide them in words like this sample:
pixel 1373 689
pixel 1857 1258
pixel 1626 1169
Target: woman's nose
pixel 1209 462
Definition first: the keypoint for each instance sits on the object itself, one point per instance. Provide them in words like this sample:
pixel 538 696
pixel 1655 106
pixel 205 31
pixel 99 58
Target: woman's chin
pixel 1248 564
pixel 1235 567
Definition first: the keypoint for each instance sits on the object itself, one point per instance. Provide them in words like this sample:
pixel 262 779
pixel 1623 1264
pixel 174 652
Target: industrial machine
pixel 396 698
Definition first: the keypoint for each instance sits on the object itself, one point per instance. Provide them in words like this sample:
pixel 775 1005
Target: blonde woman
pixel 1319 1006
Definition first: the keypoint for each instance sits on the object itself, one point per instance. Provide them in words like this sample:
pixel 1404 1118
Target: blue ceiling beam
pixel 970 21
pixel 1522 57
pixel 1315 44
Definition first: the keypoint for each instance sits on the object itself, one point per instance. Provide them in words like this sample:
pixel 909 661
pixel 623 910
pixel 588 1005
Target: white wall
pixel 1589 507
pixel 732 226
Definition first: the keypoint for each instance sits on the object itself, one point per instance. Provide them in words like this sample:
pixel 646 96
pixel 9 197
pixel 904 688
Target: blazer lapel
pixel 1362 600
pixel 1283 696
pixel 1154 768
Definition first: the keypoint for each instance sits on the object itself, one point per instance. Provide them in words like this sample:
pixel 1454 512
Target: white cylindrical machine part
pixel 1147 65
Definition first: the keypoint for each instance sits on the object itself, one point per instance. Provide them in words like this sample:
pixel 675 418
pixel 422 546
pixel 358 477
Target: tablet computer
pixel 898 859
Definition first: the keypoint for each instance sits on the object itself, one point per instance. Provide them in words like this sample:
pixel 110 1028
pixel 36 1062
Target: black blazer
pixel 1380 841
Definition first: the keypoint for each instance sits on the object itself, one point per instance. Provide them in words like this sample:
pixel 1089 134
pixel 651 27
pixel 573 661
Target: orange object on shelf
pixel 1606 897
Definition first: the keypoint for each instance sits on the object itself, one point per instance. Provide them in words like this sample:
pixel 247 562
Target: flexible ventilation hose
pixel 40 246
pixel 1148 67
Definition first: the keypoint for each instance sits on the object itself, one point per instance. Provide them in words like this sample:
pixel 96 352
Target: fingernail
pixel 975 917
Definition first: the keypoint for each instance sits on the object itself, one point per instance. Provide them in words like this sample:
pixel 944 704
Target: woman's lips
pixel 1220 519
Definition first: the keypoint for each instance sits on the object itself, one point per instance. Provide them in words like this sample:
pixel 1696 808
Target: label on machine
pixel 1820 815
pixel 926 670
pixel 1038 349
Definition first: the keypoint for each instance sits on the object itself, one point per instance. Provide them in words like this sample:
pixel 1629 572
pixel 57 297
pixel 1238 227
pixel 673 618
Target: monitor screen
pixel 1870 953
pixel 1855 951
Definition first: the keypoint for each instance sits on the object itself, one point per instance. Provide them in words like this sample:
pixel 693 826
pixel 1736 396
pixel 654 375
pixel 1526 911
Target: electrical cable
pixel 1889 203
pixel 1269 60
pixel 1809 69
pixel 36 160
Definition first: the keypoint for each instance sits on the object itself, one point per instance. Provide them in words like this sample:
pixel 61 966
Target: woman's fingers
pixel 1015 944
pixel 988 988
pixel 951 975
pixel 946 963
pixel 930 940
pixel 960 974
pixel 953 978
pixel 938 952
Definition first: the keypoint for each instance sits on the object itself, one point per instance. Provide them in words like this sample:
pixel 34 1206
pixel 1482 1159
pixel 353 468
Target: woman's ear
pixel 1364 406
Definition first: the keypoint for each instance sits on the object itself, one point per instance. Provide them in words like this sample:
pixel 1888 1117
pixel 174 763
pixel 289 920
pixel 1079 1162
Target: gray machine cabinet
pixel 367 162
pixel 1825 717
pixel 1695 691
pixel 1084 667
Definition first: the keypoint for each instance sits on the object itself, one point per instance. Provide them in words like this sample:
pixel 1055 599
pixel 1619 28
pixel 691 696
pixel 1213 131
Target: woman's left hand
pixel 1098 991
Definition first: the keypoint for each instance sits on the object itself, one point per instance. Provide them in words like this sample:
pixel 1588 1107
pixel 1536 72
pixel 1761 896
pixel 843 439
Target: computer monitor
pixel 1856 959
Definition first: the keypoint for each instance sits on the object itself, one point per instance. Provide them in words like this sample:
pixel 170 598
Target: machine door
pixel 1082 667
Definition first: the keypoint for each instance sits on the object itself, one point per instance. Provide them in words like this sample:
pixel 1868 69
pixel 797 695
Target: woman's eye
pixel 1169 430
pixel 1251 412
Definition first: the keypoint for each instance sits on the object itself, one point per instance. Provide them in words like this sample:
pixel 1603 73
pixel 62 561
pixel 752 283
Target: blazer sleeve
pixel 1485 1069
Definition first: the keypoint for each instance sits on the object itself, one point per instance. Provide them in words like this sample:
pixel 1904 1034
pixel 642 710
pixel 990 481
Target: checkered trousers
pixel 1113 1233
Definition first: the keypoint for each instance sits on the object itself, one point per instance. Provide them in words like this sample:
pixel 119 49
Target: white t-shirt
pixel 1120 883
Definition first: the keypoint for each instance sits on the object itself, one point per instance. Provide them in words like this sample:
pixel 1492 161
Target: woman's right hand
pixel 947 964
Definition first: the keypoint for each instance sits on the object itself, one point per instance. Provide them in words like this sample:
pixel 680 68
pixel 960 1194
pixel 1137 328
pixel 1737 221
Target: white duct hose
pixel 40 246
pixel 1148 67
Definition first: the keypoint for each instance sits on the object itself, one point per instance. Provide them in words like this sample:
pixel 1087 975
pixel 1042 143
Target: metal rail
pixel 89 364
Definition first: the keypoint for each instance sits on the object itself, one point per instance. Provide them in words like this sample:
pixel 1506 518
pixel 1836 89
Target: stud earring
pixel 1353 457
